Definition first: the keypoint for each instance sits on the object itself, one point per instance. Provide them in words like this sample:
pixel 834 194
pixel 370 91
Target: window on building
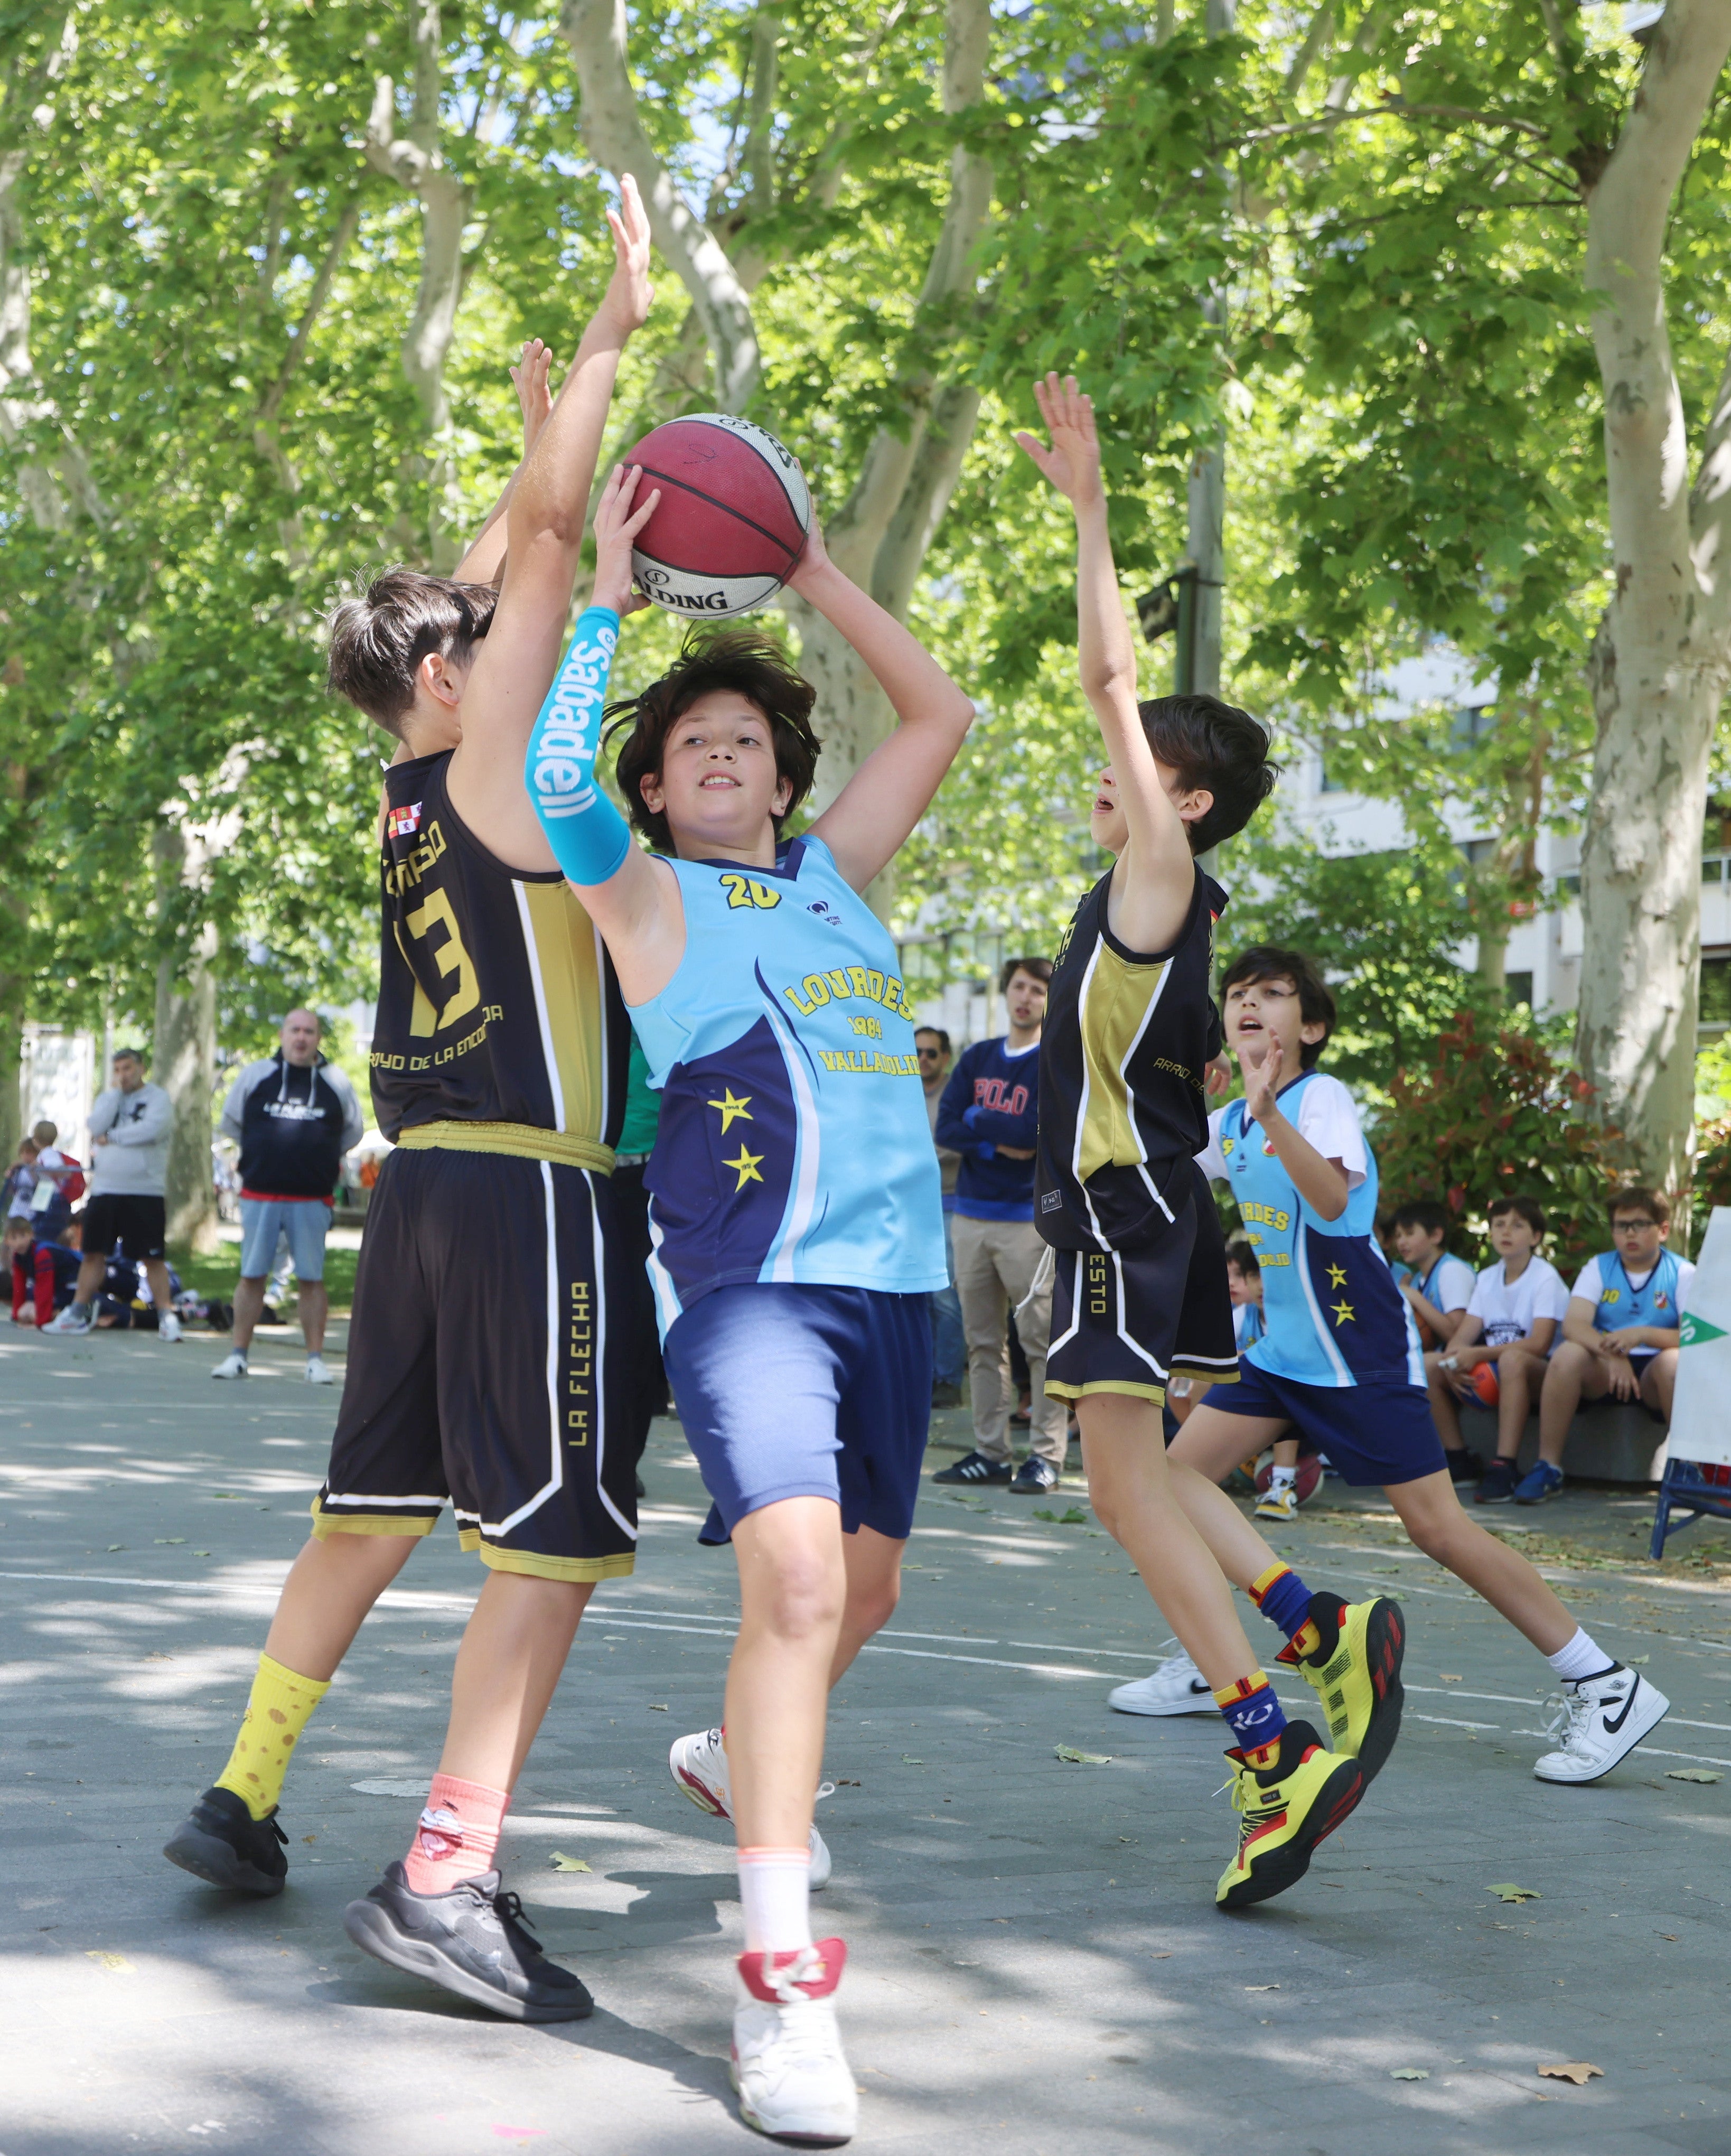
pixel 1716 989
pixel 1518 989
pixel 1470 724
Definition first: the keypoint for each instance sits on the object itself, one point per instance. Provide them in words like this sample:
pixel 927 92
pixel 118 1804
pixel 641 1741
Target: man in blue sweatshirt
pixel 988 1115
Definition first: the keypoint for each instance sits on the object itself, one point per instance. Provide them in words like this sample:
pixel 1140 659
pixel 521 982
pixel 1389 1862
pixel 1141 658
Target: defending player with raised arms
pixel 1140 1286
pixel 795 1203
pixel 491 1334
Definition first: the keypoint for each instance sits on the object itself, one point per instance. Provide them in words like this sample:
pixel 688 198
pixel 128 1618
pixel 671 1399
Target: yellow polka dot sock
pixel 280 1708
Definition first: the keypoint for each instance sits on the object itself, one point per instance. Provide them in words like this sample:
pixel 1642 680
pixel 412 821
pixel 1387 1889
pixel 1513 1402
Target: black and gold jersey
pixel 1124 1049
pixel 497 999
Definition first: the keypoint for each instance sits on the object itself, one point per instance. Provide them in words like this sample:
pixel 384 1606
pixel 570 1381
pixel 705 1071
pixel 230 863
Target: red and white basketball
pixel 1309 1476
pixel 732 519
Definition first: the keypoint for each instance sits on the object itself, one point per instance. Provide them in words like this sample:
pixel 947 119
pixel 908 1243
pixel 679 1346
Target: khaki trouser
pixel 996 1262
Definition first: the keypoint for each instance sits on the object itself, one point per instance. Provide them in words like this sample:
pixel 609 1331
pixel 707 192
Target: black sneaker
pixel 472 1940
pixel 974 1468
pixel 1462 1465
pixel 1034 1477
pixel 223 1844
pixel 1498 1487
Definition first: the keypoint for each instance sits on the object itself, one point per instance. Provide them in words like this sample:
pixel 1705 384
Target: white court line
pixel 1454 1722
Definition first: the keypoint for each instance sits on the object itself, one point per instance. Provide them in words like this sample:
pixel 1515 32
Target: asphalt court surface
pixel 1035 1956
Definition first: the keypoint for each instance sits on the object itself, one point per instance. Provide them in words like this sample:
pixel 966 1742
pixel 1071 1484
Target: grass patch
pixel 217 1274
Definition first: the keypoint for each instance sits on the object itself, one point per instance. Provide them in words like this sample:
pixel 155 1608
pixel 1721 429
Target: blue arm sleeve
pixel 588 835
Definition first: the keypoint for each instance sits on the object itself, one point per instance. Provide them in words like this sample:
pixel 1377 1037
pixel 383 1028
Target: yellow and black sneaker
pixel 1355 1667
pixel 1287 1808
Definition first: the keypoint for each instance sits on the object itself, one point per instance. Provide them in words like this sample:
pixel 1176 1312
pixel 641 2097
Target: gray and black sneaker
pixel 975 1467
pixel 222 1843
pixel 472 1940
pixel 1498 1487
pixel 1035 1477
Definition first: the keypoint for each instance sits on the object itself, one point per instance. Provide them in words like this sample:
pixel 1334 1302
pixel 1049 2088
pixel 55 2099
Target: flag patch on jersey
pixel 403 823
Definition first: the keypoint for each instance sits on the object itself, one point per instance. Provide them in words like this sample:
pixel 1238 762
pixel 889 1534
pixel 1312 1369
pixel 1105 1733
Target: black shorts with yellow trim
pixel 498 1319
pixel 1130 1320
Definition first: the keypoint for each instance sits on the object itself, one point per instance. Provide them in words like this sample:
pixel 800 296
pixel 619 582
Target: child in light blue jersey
pixel 1621 1330
pixel 794 1202
pixel 1341 1362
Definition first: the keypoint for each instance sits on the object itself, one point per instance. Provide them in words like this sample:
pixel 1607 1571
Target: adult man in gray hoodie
pixel 129 1128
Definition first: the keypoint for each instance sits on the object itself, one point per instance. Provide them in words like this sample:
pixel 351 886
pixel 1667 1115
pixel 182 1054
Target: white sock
pixel 776 1894
pixel 1583 1657
pixel 1283 1478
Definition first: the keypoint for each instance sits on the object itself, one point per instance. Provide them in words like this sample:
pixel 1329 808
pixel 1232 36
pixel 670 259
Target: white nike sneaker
pixel 698 1765
pixel 316 1371
pixel 794 2083
pixel 1600 1719
pixel 1279 1501
pixel 233 1364
pixel 75 1317
pixel 168 1327
pixel 1177 1687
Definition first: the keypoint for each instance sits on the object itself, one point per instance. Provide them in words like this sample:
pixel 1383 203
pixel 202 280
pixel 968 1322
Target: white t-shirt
pixel 1589 1282
pixel 1507 1309
pixel 1326 1119
pixel 1448 1286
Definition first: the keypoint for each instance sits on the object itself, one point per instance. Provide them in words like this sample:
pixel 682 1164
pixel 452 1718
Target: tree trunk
pixel 1660 659
pixel 11 1064
pixel 184 1066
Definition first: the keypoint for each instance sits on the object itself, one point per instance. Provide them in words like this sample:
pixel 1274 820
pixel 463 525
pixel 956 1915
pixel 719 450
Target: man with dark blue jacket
pixel 294 1117
pixel 988 1115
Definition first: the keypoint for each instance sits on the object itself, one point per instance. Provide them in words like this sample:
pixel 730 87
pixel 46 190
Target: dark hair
pixel 1039 968
pixel 942 1038
pixel 137 1054
pixel 1523 1208
pixel 755 666
pixel 1211 743
pixel 1240 1254
pixel 1267 962
pixel 379 637
pixel 1421 1213
pixel 1637 1197
pixel 19 1224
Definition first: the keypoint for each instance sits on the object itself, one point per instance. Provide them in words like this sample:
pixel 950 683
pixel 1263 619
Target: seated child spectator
pixel 1437 1288
pixel 1244 1284
pixel 20 1184
pixel 59 1183
pixel 44 1273
pixel 1510 1328
pixel 1620 1332
pixel 123 1302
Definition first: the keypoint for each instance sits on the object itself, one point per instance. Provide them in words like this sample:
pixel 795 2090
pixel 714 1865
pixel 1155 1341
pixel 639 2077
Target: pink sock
pixel 458 1835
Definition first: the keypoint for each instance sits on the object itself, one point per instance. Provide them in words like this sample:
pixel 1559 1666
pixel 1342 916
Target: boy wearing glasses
pixel 1620 1332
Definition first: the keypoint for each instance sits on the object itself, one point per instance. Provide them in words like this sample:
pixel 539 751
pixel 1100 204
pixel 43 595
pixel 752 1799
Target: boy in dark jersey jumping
pixel 1140 1285
pixel 491 1349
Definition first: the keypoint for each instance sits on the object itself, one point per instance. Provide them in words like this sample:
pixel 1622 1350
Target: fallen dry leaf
pixel 1449 1676
pixel 1575 2070
pixel 1410 2074
pixel 1068 1752
pixel 1692 1774
pixel 1507 1892
pixel 1262 1987
pixel 561 1862
pixel 117 1962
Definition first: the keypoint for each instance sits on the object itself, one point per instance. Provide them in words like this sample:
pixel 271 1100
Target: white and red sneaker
pixel 793 2082
pixel 699 1766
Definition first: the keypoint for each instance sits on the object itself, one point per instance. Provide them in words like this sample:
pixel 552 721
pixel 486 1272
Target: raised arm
pixel 544 521
pixel 1155 880
pixel 868 822
pixel 485 562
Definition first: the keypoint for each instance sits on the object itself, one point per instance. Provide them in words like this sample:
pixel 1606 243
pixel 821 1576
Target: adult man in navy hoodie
pixel 294 1116
pixel 988 1115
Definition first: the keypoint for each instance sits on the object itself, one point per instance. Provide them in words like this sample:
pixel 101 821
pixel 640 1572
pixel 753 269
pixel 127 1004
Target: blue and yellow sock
pixel 1284 1600
pixel 1254 1716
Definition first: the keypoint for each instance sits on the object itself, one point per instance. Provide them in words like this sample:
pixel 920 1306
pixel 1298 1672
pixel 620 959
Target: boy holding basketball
pixel 1139 1289
pixel 794 1201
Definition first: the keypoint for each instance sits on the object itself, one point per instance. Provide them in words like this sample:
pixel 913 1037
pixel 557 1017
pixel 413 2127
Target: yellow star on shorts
pixel 1342 1310
pixel 730 1108
pixel 1337 1275
pixel 746 1166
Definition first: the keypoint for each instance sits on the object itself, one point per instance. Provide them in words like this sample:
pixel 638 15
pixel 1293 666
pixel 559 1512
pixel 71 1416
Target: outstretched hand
pixel 814 555
pixel 616 525
pixel 529 378
pixel 629 293
pixel 1262 1081
pixel 1072 462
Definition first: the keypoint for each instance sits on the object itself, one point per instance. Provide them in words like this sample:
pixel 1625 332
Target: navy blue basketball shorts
pixel 499 1329
pixel 1128 1321
pixel 786 1391
pixel 1377 1431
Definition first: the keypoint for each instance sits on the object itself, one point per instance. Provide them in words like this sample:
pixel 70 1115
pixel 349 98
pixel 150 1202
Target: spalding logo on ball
pixel 732 519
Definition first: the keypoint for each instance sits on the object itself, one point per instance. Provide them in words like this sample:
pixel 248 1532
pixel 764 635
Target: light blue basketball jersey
pixel 1332 1314
pixel 1621 1303
pixel 794 1143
